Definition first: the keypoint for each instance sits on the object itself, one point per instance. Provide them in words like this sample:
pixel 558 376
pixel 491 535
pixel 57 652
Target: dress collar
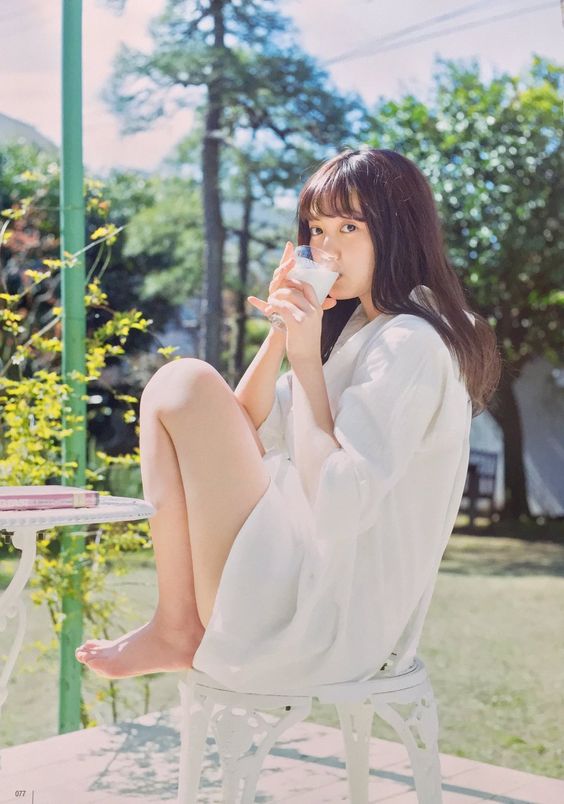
pixel 359 328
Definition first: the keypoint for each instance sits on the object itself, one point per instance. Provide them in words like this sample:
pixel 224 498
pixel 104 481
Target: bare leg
pixel 195 440
pixel 170 639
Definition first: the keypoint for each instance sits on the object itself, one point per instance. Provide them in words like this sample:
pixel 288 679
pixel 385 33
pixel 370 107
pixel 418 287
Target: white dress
pixel 331 592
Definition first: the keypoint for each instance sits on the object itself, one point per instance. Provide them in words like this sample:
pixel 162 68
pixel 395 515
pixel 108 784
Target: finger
pixel 285 266
pixel 279 275
pixel 285 309
pixel 286 253
pixel 258 303
pixel 284 304
pixel 287 250
pixel 293 296
pixel 308 292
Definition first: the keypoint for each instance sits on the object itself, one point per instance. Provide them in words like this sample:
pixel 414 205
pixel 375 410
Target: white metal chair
pixel 244 735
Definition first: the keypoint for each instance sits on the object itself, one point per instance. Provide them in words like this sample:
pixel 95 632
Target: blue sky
pixel 31 33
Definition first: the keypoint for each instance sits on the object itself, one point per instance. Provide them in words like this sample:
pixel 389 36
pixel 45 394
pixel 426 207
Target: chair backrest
pixel 482 469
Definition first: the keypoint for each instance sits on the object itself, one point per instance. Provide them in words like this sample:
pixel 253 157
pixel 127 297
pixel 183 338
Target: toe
pixel 91 643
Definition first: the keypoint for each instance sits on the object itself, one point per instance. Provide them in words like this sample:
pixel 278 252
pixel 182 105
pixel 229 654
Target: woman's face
pixel 349 240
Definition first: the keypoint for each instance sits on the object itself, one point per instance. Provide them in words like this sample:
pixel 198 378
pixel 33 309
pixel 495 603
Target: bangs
pixel 331 195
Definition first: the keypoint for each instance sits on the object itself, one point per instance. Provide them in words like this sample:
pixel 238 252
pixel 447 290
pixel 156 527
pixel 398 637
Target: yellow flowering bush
pixel 33 400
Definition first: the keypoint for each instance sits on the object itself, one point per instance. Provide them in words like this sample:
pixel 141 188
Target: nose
pixel 329 247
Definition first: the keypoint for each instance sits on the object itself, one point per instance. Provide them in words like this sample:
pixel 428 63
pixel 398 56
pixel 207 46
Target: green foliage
pixel 165 236
pixel 493 154
pixel 264 78
pixel 29 180
pixel 34 402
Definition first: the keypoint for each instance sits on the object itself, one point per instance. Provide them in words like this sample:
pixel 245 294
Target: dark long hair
pixel 402 218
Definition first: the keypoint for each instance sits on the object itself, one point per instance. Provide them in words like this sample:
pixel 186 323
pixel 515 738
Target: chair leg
pixel 193 730
pixel 244 736
pixel 356 726
pixel 419 731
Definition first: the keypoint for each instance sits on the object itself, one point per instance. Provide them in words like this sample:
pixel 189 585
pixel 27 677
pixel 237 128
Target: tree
pixel 492 152
pixel 254 77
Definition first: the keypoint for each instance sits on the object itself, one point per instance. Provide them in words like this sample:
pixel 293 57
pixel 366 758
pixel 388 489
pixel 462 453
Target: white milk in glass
pixel 321 279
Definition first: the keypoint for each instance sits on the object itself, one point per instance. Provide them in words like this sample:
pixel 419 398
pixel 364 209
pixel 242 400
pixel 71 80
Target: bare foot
pixel 152 648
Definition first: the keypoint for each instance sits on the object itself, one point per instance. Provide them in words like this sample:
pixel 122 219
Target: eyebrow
pixel 342 218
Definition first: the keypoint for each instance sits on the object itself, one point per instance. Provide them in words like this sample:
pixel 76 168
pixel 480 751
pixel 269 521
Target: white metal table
pixel 24 526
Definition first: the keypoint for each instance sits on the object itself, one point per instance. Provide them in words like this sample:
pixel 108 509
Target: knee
pixel 177 383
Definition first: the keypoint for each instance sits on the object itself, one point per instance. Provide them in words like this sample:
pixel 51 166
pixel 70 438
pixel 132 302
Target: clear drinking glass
pixel 315 266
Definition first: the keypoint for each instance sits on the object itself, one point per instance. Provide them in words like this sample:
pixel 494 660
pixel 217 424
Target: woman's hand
pixel 278 280
pixel 297 304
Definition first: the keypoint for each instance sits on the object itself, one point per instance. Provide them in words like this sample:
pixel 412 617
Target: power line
pixel 367 50
pixel 418 27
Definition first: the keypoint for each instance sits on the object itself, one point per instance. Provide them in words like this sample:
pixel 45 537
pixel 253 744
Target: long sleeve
pixel 271 431
pixel 381 421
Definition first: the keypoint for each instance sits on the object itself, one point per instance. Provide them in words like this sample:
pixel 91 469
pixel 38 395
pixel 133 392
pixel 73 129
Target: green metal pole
pixel 74 334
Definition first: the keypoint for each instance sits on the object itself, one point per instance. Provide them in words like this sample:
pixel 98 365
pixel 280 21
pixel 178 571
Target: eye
pixel 315 233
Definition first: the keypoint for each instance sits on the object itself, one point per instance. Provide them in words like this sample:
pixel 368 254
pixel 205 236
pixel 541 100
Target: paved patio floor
pixel 136 762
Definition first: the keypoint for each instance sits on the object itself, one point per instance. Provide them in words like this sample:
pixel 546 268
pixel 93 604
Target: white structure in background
pixel 183 331
pixel 12 129
pixel 540 395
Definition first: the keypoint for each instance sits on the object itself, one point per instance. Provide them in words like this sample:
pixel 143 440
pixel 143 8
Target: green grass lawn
pixel 492 644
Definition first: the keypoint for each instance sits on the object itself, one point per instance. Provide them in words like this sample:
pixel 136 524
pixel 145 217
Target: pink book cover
pixel 31 498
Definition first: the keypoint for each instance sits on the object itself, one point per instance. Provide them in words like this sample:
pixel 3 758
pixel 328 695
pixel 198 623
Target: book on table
pixel 32 498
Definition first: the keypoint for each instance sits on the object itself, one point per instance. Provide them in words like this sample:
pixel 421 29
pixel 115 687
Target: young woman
pixel 301 520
